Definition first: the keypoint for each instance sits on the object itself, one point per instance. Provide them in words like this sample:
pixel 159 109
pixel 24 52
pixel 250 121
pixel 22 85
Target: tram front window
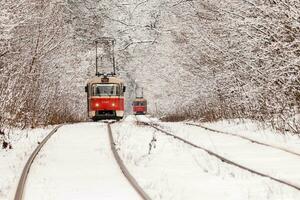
pixel 139 103
pixel 106 90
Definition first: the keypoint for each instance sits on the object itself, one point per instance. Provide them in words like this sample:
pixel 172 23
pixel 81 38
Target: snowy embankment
pixel 13 160
pixel 174 170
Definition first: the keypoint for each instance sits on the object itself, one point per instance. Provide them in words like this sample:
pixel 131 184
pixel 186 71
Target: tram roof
pixel 111 79
pixel 139 99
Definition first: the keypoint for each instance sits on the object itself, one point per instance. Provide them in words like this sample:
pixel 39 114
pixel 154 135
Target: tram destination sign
pixel 105 80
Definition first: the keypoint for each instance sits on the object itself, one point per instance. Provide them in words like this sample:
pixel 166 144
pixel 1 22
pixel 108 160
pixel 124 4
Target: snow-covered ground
pixel 77 163
pixel 270 161
pixel 174 170
pixel 255 131
pixel 13 160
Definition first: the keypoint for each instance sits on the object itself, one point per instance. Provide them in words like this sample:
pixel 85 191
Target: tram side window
pixel 106 90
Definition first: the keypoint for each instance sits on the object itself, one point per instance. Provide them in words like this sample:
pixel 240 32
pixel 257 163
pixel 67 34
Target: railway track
pixel 123 168
pixel 26 169
pixel 218 156
pixel 244 138
pixel 22 181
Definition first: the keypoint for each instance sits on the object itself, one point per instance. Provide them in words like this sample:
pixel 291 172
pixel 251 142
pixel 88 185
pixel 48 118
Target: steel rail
pixel 223 159
pixel 22 181
pixel 245 138
pixel 123 168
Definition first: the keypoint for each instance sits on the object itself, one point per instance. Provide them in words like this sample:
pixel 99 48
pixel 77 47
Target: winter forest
pixel 195 59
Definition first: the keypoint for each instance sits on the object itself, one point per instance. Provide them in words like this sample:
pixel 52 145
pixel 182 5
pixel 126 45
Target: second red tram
pixel 105 96
pixel 139 106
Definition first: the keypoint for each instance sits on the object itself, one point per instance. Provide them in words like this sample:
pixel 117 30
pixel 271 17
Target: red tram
pixel 105 95
pixel 139 106
pixel 105 92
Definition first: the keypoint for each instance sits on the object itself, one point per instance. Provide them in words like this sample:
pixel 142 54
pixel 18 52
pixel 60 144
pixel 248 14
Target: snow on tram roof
pixel 140 99
pixel 98 79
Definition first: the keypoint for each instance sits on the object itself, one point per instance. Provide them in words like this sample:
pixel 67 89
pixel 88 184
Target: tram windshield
pixel 106 90
pixel 139 103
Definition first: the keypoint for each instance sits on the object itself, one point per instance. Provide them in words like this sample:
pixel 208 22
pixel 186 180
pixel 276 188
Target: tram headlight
pixel 113 104
pixel 97 105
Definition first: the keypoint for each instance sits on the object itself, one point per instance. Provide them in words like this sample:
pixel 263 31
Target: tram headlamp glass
pixel 113 104
pixel 97 104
